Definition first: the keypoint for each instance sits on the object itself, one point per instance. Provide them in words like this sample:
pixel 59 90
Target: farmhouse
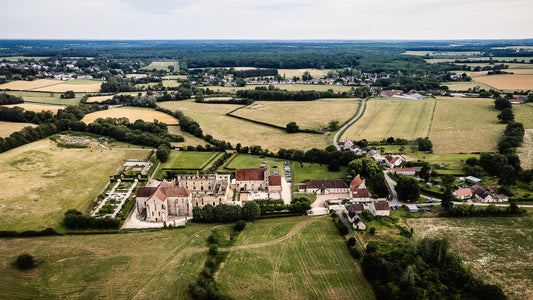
pixel 353 210
pixel 211 189
pixel 404 171
pixel 379 208
pixel 481 194
pixel 465 193
pixel 159 202
pixel 358 190
pixel 252 180
pixel 325 186
pixel 392 160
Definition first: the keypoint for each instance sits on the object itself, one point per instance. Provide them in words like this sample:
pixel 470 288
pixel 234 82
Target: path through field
pixel 343 128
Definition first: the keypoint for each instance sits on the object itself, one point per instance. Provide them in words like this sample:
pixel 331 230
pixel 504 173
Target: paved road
pixel 336 137
pixel 391 183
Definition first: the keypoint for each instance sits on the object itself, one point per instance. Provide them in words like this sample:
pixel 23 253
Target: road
pixel 391 183
pixel 359 114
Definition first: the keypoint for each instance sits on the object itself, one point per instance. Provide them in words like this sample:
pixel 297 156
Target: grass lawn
pixel 246 161
pixel 465 125
pixel 41 181
pixel 466 85
pixel 47 98
pixel 409 119
pixel 189 138
pixel 163 65
pixel 7 128
pixel 314 263
pixel 307 114
pixel 187 160
pixel 499 250
pixel 146 265
pixel 524 114
pixel 133 114
pixel 213 120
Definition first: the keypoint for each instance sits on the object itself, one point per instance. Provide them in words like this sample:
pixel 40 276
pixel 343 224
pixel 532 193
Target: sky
pixel 266 19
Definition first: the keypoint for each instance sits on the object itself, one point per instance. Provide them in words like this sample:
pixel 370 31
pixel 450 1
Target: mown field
pixel 50 85
pixel 213 120
pixel 7 128
pixel 189 138
pixel 313 263
pixel 142 265
pixel 40 181
pixel 163 65
pixel 408 119
pixel 37 107
pixel 499 250
pixel 307 114
pixel 290 73
pixel 465 125
pixel 466 85
pixel 289 87
pixel 132 113
pixel 187 160
pixel 508 81
pixel 46 97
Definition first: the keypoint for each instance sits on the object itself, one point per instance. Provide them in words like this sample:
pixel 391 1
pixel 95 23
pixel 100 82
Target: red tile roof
pixel 176 191
pixel 361 193
pixel 356 182
pixel 404 170
pixel 381 205
pixel 257 174
pixel 326 184
pixel 163 191
pixel 463 192
pixel 145 191
pixel 274 180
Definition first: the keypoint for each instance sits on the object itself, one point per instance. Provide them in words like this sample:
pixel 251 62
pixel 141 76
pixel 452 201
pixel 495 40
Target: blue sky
pixel 268 19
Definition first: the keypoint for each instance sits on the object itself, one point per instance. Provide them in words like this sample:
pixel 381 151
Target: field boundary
pixel 230 114
pixel 432 116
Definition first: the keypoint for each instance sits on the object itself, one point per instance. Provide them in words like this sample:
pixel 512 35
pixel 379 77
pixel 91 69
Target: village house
pixel 211 189
pixel 352 210
pixel 358 190
pixel 392 161
pixel 325 186
pixel 252 180
pixel 379 208
pixel 481 195
pixel 404 171
pixel 162 200
pixel 465 193
pixel 274 184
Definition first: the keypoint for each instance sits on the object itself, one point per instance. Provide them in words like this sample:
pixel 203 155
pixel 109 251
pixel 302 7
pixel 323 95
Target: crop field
pixel 466 85
pixel 37 107
pixel 313 263
pixel 99 98
pixel 524 114
pixel 7 128
pixel 307 114
pixel 40 181
pixel 408 119
pixel 289 87
pixel 507 81
pixel 465 125
pixel 132 113
pixel 46 97
pixel 187 160
pixel 290 73
pixel 213 120
pixel 20 85
pixel 499 249
pixel 189 138
pixel 163 65
pixel 77 85
pixel 104 266
pixel 525 152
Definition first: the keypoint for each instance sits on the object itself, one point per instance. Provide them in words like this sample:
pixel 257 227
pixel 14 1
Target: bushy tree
pixel 425 144
pixel 506 116
pixel 163 152
pixel 407 188
pixel 25 262
pixel 251 211
pixel 292 127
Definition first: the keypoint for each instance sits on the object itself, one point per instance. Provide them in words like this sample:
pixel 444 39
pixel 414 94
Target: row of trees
pixel 10 99
pixel 76 220
pixel 226 213
pixel 264 94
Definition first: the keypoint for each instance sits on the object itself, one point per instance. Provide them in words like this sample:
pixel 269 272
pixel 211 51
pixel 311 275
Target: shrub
pixel 372 230
pixel 240 225
pixel 355 252
pixel 25 262
pixel 213 249
pixel 351 242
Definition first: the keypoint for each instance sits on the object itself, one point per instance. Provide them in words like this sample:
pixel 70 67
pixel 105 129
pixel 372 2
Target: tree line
pixel 264 94
pixel 255 73
pixel 10 99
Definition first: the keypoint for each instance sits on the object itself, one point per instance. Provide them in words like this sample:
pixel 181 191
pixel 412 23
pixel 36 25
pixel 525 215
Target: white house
pixel 379 208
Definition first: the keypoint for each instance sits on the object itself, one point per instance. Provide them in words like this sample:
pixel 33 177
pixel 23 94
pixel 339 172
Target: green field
pixel 466 85
pixel 289 87
pixel 499 250
pixel 189 138
pixel 40 181
pixel 307 114
pixel 47 97
pixel 409 119
pixel 163 65
pixel 314 263
pixel 214 121
pixel 187 160
pixel 7 128
pixel 145 265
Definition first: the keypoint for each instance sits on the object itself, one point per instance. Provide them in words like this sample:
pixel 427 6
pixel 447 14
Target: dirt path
pixel 293 231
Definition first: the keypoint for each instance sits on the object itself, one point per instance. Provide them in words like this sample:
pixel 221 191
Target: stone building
pixel 252 180
pixel 158 202
pixel 211 189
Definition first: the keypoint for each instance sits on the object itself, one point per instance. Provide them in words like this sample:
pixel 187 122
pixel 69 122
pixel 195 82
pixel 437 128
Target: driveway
pixel 391 183
pixel 336 137
pixel 286 191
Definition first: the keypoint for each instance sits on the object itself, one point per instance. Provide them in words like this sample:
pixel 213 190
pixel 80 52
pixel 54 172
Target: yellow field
pixel 38 107
pixel 163 65
pixel 316 73
pixel 40 181
pixel 7 128
pixel 46 97
pixel 78 85
pixel 289 87
pixel 133 114
pixel 466 85
pixel 524 114
pixel 307 114
pixel 521 71
pixel 136 75
pixel 508 82
pixel 20 85
pixel 465 125
pixel 409 119
pixel 99 98
pixel 213 120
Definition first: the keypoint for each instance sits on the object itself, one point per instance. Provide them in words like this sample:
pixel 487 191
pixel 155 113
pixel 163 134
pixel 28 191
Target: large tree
pixel 407 188
pixel 251 211
pixel 506 116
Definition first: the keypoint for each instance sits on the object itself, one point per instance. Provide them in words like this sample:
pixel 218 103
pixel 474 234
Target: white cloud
pixel 274 19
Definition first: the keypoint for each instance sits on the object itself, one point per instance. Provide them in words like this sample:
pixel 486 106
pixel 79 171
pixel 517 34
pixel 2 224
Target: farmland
pixel 524 114
pixel 36 107
pixel 397 118
pixel 507 81
pixel 289 87
pixel 189 138
pixel 41 181
pixel 498 249
pixel 133 114
pixel 50 85
pixel 466 85
pixel 213 120
pixel 163 65
pixel 290 73
pixel 188 160
pixel 21 85
pixel 46 97
pixel 314 263
pixel 7 128
pixel 465 125
pixel 149 265
pixel 317 113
